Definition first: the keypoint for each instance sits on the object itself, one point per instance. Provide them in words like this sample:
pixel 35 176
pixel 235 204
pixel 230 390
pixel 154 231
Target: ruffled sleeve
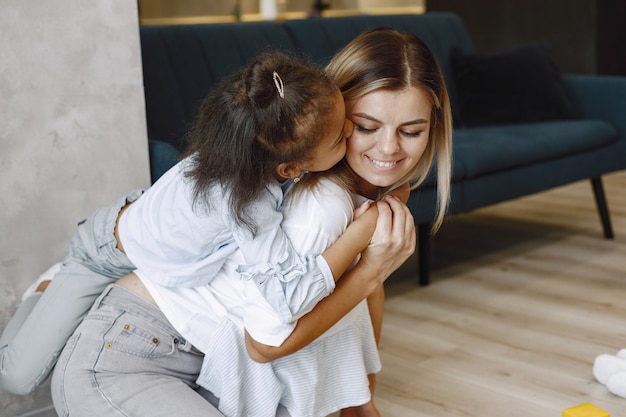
pixel 292 290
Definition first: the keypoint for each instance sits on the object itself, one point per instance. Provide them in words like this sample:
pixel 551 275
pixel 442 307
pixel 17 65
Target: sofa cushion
pixel 484 150
pixel 163 156
pixel 182 63
pixel 520 84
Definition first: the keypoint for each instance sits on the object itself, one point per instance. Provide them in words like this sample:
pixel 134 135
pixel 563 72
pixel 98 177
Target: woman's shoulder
pixel 325 196
pixel 326 206
pixel 330 185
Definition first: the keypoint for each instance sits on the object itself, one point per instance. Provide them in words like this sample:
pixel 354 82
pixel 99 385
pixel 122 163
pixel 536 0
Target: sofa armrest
pixel 163 156
pixel 601 97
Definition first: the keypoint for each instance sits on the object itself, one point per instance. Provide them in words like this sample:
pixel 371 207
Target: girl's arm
pixel 342 253
pixel 357 236
pixel 392 243
pixel 280 273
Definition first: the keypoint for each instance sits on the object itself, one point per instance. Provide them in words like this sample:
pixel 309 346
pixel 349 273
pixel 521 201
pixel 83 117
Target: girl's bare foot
pixel 41 283
pixel 42 286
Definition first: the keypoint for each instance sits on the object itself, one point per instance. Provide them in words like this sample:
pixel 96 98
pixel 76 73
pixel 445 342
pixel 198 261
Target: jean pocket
pixel 136 344
pixel 140 336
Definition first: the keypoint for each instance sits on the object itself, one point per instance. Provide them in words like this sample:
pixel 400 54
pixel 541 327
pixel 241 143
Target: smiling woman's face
pixel 391 130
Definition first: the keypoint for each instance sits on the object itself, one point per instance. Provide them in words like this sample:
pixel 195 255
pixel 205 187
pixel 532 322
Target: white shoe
pixel 46 276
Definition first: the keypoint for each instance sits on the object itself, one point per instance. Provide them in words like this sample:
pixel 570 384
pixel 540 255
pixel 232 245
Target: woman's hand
pixel 394 239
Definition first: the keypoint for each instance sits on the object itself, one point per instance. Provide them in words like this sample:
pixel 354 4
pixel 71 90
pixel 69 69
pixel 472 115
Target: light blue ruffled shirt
pixel 174 243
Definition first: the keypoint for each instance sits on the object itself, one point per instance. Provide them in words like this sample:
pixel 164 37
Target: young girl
pixel 255 136
pixel 402 120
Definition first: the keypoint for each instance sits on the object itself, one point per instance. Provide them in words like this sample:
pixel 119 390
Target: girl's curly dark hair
pixel 245 129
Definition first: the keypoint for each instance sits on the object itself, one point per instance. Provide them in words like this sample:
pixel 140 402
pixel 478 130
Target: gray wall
pixel 72 134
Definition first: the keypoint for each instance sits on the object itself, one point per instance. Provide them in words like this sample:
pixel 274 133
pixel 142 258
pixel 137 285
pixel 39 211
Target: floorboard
pixel 524 295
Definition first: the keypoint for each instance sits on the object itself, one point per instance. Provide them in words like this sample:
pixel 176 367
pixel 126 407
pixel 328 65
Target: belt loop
pixel 101 297
pixel 183 344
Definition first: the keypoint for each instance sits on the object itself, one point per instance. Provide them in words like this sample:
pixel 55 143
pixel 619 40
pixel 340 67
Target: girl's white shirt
pixel 176 244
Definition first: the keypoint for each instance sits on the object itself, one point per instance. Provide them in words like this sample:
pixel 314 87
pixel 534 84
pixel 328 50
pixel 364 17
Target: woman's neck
pixel 367 190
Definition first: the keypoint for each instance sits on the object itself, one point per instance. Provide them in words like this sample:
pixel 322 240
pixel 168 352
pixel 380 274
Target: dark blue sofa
pixel 491 163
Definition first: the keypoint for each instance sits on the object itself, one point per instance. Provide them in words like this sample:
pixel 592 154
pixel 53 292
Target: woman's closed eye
pixel 416 134
pixel 363 129
pixel 370 130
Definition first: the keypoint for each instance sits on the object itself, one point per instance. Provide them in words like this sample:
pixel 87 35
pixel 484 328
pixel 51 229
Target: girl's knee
pixel 21 373
pixel 18 381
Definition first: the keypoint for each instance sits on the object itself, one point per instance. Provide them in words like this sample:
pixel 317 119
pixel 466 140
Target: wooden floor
pixel 524 296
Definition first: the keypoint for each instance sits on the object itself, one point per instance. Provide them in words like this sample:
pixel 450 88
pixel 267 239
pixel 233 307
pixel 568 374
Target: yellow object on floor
pixel 585 410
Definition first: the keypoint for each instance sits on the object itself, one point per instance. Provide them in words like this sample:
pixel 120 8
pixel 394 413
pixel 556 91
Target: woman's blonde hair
pixel 386 58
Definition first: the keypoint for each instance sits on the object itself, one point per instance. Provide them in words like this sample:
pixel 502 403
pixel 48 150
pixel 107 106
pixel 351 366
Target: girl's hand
pixel 394 239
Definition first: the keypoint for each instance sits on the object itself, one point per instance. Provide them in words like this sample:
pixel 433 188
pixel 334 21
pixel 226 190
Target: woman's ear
pixel 288 170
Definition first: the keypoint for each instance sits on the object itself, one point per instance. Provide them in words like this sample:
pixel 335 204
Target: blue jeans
pixel 35 335
pixel 126 359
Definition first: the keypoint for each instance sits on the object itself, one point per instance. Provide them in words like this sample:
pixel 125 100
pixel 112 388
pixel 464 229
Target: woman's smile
pixel 382 164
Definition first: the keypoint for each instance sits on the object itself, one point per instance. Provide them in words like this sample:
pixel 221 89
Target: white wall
pixel 72 132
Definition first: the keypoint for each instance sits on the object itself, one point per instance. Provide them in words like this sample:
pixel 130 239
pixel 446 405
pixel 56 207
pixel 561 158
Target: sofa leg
pixel 423 253
pixel 603 209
